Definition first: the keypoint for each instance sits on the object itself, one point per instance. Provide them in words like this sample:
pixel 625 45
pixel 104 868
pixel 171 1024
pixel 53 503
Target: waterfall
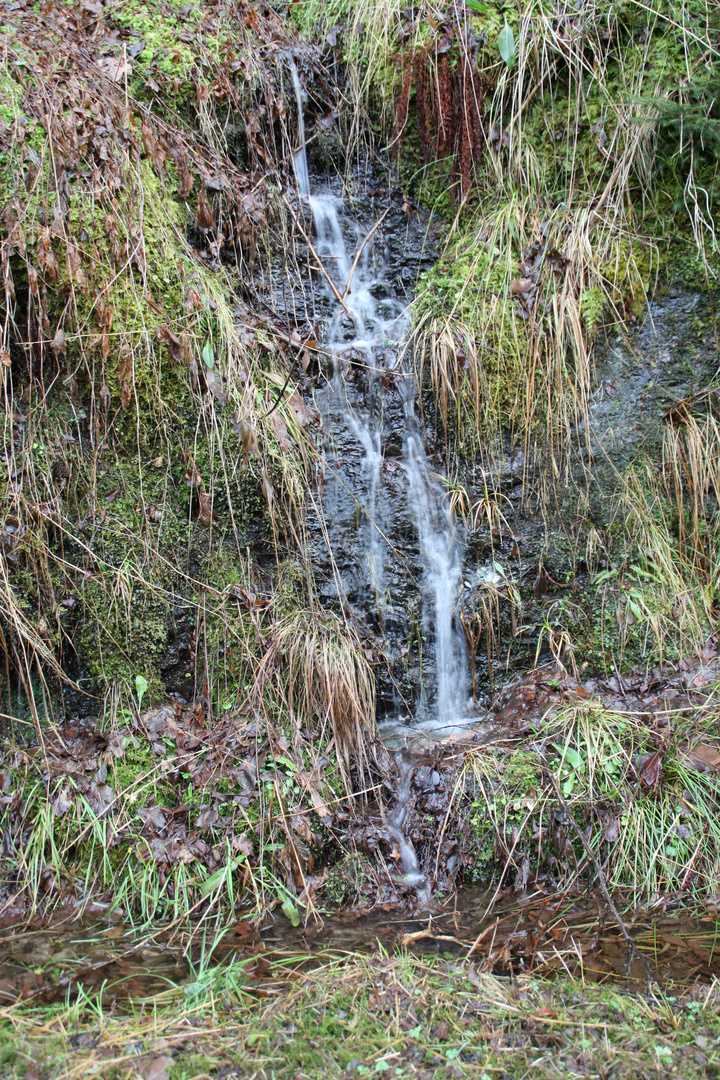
pixel 301 165
pixel 365 332
pixel 408 861
pixel 443 574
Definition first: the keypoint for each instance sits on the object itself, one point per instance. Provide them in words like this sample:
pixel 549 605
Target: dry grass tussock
pixel 663 588
pixel 328 678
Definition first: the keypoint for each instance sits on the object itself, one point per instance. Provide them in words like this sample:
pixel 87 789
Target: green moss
pixel 346 880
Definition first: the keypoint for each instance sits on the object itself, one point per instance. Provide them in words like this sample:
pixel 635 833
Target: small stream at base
pixel 547 934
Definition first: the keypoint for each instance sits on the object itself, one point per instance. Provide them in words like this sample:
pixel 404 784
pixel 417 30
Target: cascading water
pixel 395 825
pixel 301 165
pixel 392 498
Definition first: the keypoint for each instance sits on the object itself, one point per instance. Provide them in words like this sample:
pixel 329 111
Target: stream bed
pixel 551 934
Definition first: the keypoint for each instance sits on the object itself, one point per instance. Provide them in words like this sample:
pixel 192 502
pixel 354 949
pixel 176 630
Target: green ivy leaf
pixel 208 354
pixel 507 44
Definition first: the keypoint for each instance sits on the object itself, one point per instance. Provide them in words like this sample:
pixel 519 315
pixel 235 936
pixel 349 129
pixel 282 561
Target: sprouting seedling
pixel 141 685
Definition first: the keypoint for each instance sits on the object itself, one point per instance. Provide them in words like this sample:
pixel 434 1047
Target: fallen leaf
pixel 173 342
pixel 611 832
pixel 204 219
pixel 649 768
pixel 207 816
pixel 205 507
pixel 704 757
pixel 157 1069
pixel 521 285
pixel 61 803
pixel 114 67
pixel 153 817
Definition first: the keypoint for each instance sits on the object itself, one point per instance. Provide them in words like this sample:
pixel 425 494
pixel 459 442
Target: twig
pixel 360 250
pixel 320 266
pixel 631 946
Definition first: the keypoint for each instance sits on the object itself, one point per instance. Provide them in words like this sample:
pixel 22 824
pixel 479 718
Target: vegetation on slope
pixel 159 450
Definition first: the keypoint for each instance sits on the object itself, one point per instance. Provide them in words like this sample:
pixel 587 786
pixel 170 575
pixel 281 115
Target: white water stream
pixel 367 329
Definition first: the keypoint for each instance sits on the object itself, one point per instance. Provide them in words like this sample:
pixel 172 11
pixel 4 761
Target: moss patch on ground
pixel 397 1016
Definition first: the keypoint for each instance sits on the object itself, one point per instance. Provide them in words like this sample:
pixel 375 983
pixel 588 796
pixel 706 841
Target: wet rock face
pixel 538 549
pixel 383 547
pixel 367 550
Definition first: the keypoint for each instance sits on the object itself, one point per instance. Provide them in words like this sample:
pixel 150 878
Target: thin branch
pixel 360 250
pixel 320 266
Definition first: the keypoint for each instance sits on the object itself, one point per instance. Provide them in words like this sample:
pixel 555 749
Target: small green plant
pixel 141 685
pixel 572 768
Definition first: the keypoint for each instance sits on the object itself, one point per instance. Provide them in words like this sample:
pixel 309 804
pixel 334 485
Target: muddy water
pixel 546 934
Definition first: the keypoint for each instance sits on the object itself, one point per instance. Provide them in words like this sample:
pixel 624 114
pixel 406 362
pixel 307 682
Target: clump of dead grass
pixel 663 591
pixel 328 682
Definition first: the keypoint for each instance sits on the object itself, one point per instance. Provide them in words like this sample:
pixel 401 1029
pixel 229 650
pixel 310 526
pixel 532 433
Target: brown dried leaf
pixel 191 476
pixel 305 414
pixel 204 219
pixel 279 430
pixel 149 138
pixel 611 833
pixel 173 342
pixel 61 803
pixel 521 285
pixel 193 301
pixel 703 757
pixel 115 68
pixel 153 817
pixel 316 798
pixel 185 184
pixel 58 221
pixel 650 768
pixel 46 258
pixel 157 1069
pixel 207 816
pixel 205 511
pixel 242 845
